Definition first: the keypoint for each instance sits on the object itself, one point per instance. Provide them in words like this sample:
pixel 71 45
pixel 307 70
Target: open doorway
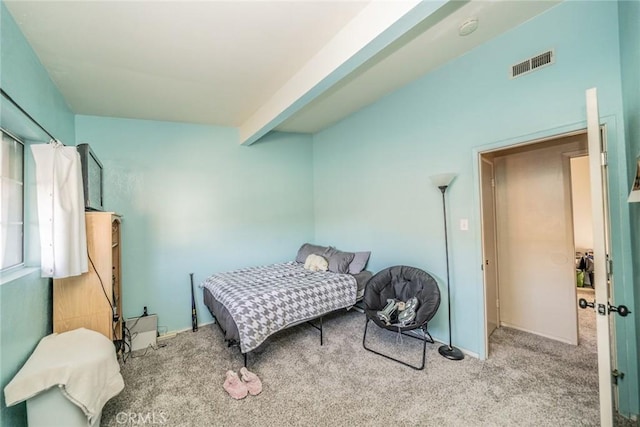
pixel 529 241
pixel 582 220
pixel 533 230
pixel 583 241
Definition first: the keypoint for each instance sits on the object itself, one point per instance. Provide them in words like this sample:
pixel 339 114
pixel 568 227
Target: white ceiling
pixel 218 62
pixel 424 49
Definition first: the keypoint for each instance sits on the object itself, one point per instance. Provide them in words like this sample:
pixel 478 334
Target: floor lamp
pixel 442 181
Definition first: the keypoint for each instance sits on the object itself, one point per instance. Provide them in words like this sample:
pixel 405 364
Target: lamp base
pixel 451 353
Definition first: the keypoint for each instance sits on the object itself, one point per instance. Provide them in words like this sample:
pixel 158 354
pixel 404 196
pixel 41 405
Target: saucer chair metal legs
pixel 426 339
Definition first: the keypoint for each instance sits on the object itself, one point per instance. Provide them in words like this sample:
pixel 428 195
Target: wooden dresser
pixel 93 300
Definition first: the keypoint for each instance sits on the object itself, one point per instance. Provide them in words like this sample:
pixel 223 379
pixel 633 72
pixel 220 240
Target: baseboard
pixel 464 350
pixel 508 325
pixel 173 333
pixel 167 336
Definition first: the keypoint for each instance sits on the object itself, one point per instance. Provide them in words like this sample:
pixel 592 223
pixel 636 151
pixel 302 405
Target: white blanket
pixel 81 362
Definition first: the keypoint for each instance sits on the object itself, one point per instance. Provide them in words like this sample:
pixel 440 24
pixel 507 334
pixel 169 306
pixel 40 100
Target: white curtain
pixel 63 237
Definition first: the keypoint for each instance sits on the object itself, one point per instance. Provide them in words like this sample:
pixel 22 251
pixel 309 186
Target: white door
pixel 599 207
pixel 489 270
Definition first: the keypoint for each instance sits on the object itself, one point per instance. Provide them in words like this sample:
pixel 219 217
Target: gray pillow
pixel 339 261
pixel 308 249
pixel 359 262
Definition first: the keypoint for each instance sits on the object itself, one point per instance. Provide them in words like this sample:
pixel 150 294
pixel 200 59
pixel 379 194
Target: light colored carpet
pixel 528 380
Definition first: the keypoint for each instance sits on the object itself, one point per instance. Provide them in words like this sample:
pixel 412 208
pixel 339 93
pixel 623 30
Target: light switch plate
pixel 464 224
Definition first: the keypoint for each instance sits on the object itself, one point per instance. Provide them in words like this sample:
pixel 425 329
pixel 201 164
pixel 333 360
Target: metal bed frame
pixel 236 343
pixel 357 306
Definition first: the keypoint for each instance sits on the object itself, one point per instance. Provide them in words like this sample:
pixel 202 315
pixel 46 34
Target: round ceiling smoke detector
pixel 468 26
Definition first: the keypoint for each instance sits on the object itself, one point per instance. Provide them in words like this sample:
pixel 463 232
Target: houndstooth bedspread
pixel 264 300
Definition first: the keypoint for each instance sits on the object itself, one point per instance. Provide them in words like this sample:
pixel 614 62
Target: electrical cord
pixel 126 353
pixel 146 350
pixel 128 334
pixel 128 339
pixel 128 330
pixel 133 356
pixel 135 323
pixel 120 344
pixel 104 291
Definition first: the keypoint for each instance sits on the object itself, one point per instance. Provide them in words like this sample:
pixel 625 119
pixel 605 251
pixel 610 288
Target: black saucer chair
pixel 402 283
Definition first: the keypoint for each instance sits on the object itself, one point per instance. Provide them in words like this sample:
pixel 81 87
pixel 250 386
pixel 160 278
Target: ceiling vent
pixel 533 63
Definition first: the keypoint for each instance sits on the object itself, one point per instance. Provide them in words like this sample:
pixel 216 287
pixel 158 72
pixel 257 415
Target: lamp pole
pixel 448 351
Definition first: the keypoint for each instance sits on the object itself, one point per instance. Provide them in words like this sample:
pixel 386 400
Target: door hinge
pixel 497 303
pixel 493 182
pixel 617 374
pixel 603 158
pixel 609 265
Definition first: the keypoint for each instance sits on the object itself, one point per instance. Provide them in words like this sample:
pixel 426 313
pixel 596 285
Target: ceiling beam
pixel 377 26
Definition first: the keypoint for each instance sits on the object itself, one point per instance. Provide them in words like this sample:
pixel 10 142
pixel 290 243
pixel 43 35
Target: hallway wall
pixel 535 239
pixel 581 201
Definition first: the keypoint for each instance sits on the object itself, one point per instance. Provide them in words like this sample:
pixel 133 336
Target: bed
pixel 251 304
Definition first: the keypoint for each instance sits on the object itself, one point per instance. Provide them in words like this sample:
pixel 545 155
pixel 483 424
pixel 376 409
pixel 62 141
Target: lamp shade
pixel 443 179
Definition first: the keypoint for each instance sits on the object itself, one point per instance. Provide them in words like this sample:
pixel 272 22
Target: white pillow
pixel 316 263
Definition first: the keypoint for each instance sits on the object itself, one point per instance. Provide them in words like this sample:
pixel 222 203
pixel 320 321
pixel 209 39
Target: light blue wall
pixel 24 78
pixel 371 171
pixel 629 13
pixel 194 200
pixel 25 307
pixel 25 303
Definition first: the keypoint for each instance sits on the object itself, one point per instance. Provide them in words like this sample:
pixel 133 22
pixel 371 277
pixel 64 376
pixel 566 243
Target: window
pixel 11 202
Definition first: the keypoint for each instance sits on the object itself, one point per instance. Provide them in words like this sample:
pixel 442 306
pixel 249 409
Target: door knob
pixel 622 310
pixel 584 304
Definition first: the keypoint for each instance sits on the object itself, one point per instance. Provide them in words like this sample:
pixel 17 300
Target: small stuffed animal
pixel 316 263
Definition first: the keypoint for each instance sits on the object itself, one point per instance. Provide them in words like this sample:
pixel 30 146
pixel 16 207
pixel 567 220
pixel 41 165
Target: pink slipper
pixel 236 388
pixel 254 385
